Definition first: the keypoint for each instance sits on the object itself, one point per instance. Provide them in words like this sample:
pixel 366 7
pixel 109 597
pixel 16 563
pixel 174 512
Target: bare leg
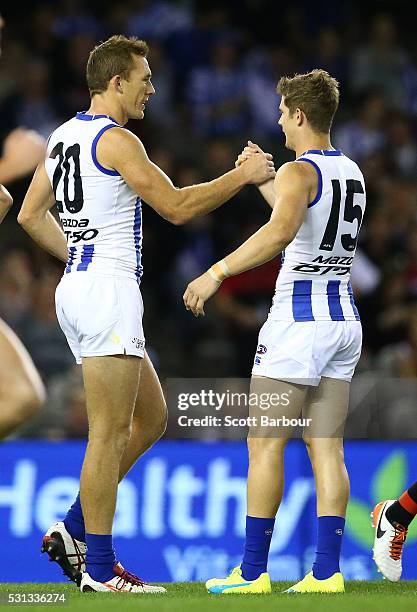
pixel 327 406
pixel 266 454
pixel 149 418
pixel 266 445
pixel 21 390
pixel 147 425
pixel 111 385
pixel 265 476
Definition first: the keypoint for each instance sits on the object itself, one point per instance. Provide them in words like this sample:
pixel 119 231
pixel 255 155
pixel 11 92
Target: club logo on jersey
pixel 139 344
pixel 261 349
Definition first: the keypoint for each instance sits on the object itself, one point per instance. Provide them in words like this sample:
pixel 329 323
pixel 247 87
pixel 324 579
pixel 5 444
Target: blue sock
pixel 329 542
pixel 100 557
pixel 258 539
pixel 74 521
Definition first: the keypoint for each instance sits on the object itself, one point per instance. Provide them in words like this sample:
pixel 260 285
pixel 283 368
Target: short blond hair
pixel 316 93
pixel 111 57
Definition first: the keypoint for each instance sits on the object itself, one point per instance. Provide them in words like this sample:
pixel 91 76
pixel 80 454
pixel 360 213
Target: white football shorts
pixel 303 352
pixel 100 315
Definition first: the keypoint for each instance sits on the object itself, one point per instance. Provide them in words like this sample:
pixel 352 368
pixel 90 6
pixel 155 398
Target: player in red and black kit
pixel 391 519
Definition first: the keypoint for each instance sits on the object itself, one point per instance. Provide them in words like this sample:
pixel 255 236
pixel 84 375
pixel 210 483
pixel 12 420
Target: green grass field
pixel 183 597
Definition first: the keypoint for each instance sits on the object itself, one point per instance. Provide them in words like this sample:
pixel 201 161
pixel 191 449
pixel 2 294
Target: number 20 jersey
pixel 314 281
pixel 101 216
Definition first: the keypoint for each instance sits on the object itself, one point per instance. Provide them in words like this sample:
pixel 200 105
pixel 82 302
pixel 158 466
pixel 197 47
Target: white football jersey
pixel 314 281
pixel 101 216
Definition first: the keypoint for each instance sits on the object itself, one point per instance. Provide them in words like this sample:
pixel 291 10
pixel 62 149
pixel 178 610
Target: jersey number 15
pixel 351 212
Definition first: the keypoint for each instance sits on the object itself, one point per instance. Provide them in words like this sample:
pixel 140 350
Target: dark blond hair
pixel 315 93
pixel 113 56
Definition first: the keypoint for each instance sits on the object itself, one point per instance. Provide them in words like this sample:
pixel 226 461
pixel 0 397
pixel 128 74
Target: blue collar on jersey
pixel 84 117
pixel 323 152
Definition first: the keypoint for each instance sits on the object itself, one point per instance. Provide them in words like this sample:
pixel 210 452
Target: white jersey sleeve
pixel 314 281
pixel 100 214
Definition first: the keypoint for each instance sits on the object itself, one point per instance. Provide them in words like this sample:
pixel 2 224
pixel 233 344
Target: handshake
pixel 258 169
pixel 257 165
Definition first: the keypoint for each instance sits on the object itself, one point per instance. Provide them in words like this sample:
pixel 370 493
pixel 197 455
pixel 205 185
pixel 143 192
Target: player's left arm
pixel 37 220
pixel 6 202
pixel 294 188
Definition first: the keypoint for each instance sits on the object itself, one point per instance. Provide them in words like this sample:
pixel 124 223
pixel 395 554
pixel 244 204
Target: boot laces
pixel 397 541
pixel 128 578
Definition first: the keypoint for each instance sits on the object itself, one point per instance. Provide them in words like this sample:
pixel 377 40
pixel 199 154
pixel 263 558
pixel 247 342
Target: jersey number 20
pixel 351 212
pixel 63 168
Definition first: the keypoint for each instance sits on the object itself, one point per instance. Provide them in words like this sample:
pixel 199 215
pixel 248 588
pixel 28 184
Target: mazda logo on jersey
pixel 261 349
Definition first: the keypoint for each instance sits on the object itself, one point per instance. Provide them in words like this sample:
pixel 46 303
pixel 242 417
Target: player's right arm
pixel 6 201
pixel 121 150
pixel 267 189
pixel 36 218
pixel 294 185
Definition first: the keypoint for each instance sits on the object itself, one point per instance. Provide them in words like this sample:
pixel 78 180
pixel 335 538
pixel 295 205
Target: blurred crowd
pixel 215 67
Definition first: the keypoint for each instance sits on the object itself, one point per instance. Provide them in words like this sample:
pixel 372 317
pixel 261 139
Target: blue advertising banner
pixel 181 512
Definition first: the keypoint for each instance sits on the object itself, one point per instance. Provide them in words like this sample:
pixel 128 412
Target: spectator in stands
pixel 382 63
pixel 217 93
pixel 363 134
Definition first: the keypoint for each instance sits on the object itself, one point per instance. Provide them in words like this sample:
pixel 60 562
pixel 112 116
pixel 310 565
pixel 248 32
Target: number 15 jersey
pixel 101 216
pixel 314 280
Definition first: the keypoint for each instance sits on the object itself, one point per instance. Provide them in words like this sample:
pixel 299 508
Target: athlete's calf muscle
pixel 22 392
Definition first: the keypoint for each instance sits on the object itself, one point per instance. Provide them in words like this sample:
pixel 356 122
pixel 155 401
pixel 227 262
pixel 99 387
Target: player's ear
pixel 116 82
pixel 299 115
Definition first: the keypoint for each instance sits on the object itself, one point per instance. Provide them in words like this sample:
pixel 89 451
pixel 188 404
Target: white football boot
pixel 123 582
pixel 68 552
pixel 388 543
